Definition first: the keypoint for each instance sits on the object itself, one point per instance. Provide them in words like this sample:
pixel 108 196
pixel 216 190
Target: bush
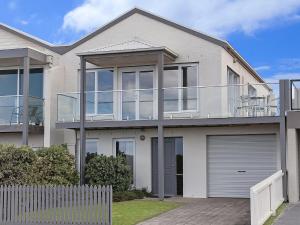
pixel 104 170
pixel 17 165
pixel 55 165
pixel 130 195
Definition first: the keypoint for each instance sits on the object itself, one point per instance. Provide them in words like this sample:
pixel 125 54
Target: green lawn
pixel 271 220
pixel 133 212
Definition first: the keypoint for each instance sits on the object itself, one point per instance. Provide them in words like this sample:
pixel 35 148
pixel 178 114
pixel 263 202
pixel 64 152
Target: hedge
pixel 22 165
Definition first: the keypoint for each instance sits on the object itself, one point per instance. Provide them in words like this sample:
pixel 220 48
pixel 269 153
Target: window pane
pixel 146 96
pixel 105 96
pixel 189 92
pixel 171 77
pixel 171 93
pixel 146 79
pixel 8 82
pixel 126 148
pixel 128 96
pixel 105 80
pixel 90 81
pixel 35 82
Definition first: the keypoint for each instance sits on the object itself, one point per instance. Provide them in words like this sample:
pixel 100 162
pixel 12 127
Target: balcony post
pixel 26 64
pixel 284 98
pixel 82 118
pixel 160 128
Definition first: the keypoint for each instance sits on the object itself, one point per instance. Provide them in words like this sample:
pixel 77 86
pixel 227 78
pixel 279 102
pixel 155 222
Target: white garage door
pixel 235 163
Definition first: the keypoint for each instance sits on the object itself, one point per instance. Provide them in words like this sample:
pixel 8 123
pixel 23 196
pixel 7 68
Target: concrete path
pixel 210 211
pixel 291 215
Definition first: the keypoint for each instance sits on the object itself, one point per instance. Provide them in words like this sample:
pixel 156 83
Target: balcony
pixel 201 102
pixel 11 110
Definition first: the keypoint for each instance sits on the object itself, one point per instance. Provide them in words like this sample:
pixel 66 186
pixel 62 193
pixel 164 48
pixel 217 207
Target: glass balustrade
pixel 12 110
pixel 250 100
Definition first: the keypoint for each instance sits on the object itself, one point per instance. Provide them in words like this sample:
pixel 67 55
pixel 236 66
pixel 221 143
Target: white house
pixel 191 115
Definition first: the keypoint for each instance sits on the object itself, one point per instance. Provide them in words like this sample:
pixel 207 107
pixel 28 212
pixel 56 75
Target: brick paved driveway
pixel 210 211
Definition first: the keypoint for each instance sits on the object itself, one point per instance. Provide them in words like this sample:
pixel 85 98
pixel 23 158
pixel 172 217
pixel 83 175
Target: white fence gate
pixel 265 198
pixel 41 205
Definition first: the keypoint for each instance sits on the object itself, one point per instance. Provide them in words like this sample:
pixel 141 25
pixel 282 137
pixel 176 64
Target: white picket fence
pixel 265 198
pixel 41 205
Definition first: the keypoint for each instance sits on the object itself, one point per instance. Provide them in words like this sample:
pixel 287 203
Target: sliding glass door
pixel 137 94
pixel 11 91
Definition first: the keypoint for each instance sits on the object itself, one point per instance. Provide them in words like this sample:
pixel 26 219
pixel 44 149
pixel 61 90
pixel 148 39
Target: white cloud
pixel 289 64
pixel 217 17
pixel 281 76
pixel 24 22
pixel 261 68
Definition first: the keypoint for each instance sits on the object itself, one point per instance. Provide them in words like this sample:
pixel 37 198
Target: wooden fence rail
pixel 41 205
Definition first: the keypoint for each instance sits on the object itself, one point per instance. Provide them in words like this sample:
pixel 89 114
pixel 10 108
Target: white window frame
pixel 95 71
pixel 133 151
pixel 180 87
pixel 136 71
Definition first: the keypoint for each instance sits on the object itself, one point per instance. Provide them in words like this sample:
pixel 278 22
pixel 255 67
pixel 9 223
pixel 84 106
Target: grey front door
pixel 171 145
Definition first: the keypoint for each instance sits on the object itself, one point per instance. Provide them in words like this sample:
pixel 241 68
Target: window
pixel 233 91
pixel 126 148
pixel 8 82
pixel 92 149
pixel 180 88
pixel 99 88
pixel 252 92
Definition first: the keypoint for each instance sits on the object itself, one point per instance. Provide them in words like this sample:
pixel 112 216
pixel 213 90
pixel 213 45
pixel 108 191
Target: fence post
pixel 110 205
pixel 1 202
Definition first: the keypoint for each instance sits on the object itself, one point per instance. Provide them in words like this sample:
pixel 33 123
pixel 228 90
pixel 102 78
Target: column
pixel 26 64
pixel 82 117
pixel 160 128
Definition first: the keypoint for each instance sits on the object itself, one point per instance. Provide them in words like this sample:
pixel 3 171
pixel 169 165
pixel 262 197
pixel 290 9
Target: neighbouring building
pixel 191 115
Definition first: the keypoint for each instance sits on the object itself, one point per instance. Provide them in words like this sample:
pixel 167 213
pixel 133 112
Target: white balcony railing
pixel 222 101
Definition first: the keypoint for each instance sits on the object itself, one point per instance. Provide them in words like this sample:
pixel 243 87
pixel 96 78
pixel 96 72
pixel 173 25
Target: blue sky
pixel 266 33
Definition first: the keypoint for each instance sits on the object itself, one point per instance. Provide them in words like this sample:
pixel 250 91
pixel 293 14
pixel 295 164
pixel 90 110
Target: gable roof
pixel 66 48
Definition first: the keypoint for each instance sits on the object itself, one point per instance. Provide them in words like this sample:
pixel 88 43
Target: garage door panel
pixel 237 162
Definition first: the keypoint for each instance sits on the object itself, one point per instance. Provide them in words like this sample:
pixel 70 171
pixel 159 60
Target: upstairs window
pixel 180 88
pixel 99 88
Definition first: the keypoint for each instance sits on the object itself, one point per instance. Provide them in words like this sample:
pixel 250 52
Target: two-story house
pixel 192 117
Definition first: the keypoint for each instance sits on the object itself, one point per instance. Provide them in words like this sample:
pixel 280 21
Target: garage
pixel 237 162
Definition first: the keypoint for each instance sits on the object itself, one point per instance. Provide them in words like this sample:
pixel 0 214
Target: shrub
pixel 130 195
pixel 55 165
pixel 104 170
pixel 17 165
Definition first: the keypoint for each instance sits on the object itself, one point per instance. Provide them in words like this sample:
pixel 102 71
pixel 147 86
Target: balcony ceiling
pixel 131 53
pixel 14 57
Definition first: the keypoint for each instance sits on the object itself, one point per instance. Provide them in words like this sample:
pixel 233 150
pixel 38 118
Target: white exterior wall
pixel 292 162
pixel 194 151
pixel 35 140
